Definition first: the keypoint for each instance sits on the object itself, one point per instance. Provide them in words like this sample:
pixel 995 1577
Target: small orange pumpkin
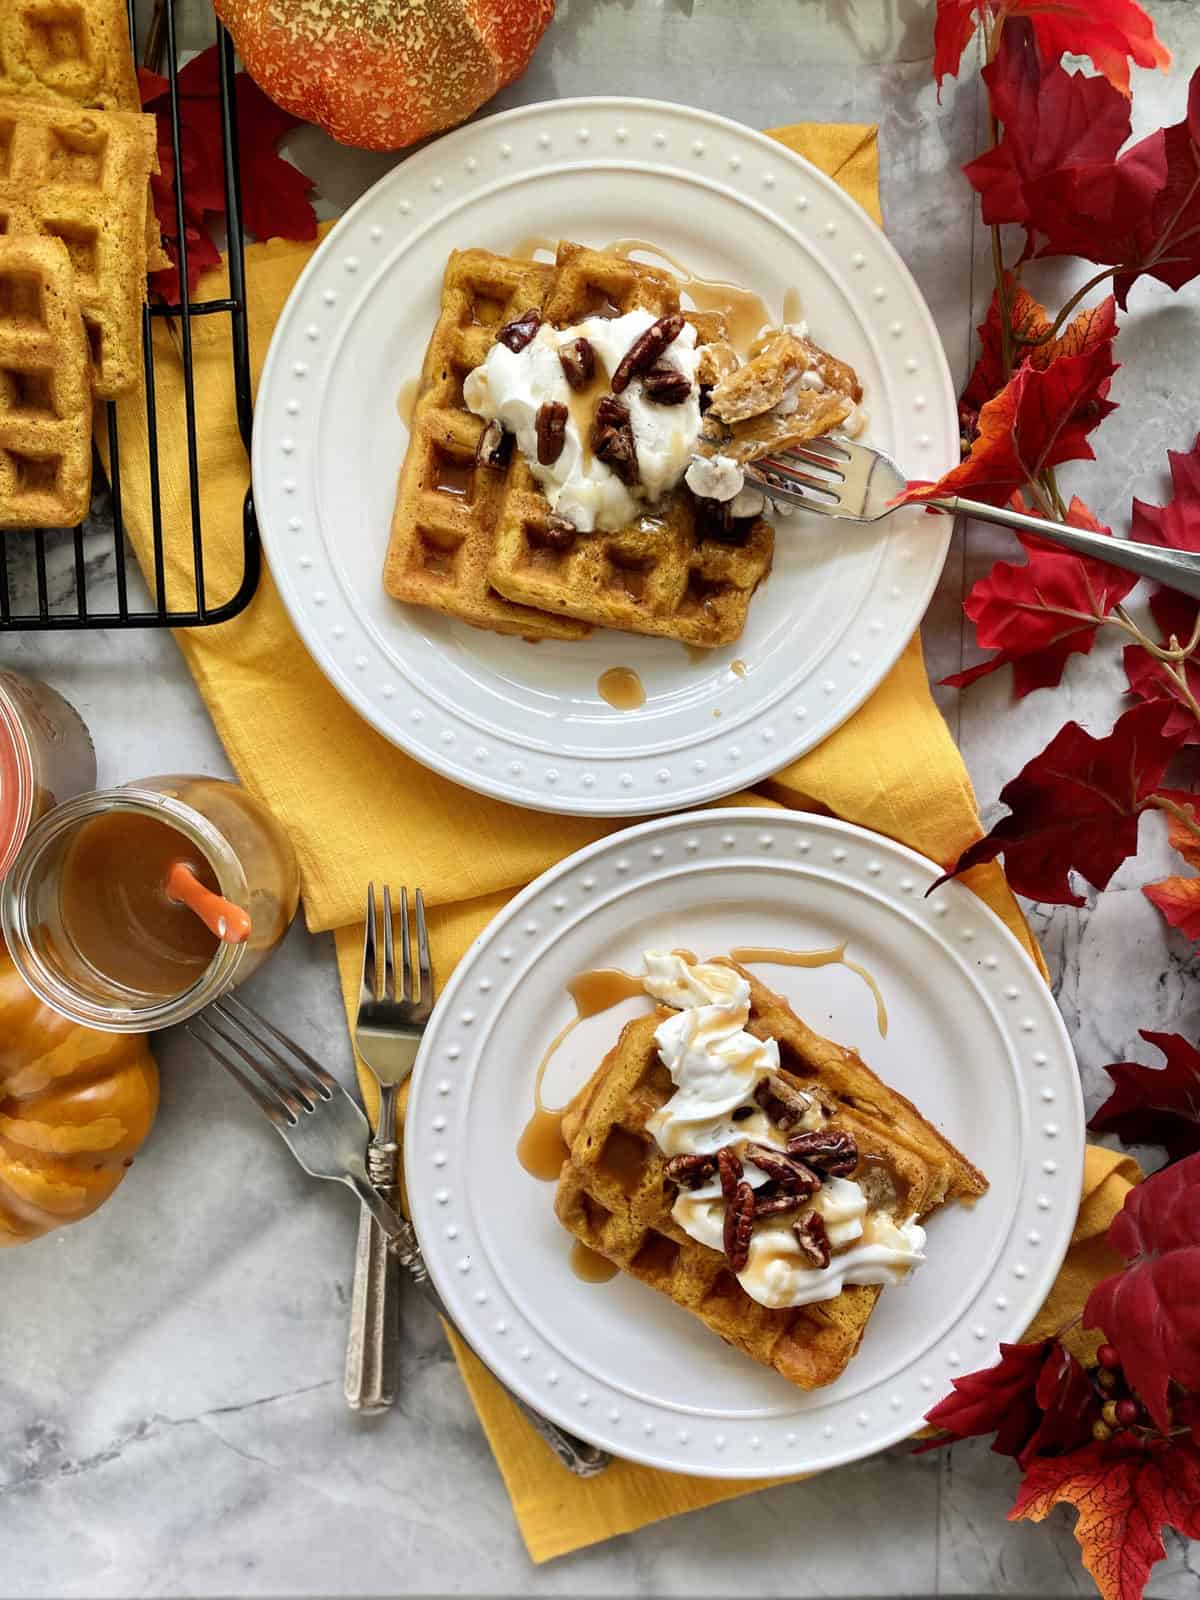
pixel 384 73
pixel 75 1106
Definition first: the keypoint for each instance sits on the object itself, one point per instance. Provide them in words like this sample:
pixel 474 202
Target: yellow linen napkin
pixel 357 808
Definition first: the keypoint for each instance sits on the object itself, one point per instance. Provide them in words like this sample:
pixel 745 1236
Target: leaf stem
pixel 1080 294
pixel 1184 814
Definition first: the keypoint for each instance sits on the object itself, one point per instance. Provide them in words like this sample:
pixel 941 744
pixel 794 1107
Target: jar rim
pixel 46 983
pixel 16 781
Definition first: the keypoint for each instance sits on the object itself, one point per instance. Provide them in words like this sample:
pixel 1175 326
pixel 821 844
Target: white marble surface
pixel 171 1420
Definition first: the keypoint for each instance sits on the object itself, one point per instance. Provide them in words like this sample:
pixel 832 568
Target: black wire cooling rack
pixel 26 557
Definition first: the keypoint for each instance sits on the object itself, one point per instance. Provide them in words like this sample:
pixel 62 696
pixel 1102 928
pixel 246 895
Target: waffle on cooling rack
pixel 448 505
pixel 663 574
pixel 81 176
pixel 470 539
pixel 613 1193
pixel 76 51
pixel 45 397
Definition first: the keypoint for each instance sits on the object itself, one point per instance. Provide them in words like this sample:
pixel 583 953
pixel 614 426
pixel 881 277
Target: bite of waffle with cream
pixel 758 1174
pixel 576 452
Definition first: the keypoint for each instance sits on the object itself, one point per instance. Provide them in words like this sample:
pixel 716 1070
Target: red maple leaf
pixel 1038 420
pixel 1167 234
pixel 1030 324
pixel 1156 1105
pixel 1112 32
pixel 1076 806
pixel 274 192
pixel 1151 1310
pixel 1125 1495
pixel 1055 122
pixel 1036 615
pixel 1176 615
pixel 1036 1398
pixel 1175 526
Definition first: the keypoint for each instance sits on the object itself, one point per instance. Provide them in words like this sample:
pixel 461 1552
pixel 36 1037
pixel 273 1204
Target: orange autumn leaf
pixel 1124 1499
pixel 1030 323
pixel 1178 898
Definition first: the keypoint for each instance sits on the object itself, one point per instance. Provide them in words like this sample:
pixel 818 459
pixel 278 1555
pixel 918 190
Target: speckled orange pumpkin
pixel 383 73
pixel 75 1106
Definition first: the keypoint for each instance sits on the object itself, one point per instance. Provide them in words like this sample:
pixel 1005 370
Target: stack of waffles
pixel 77 237
pixel 469 538
pixel 615 1193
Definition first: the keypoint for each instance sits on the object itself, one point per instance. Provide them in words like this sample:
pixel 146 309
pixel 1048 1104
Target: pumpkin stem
pixel 221 917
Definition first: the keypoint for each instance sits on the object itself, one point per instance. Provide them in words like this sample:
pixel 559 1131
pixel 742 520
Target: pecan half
pixel 813 1239
pixel 730 1170
pixel 769 1201
pixel 551 432
pixel 784 1105
pixel 495 445
pixel 612 438
pixel 646 349
pixel 520 331
pixel 666 385
pixel 786 1171
pixel 556 533
pixel 741 1113
pixel 830 1151
pixel 706 390
pixel 690 1171
pixel 578 361
pixel 739 1225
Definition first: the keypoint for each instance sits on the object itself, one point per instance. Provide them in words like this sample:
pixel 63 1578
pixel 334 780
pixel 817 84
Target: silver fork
pixel 388 1033
pixel 327 1132
pixel 837 477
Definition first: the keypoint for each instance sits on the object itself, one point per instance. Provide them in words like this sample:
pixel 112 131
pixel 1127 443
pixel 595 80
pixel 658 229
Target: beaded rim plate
pixel 529 725
pixel 973 1037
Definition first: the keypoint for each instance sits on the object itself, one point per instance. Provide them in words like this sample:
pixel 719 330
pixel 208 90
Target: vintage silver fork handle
pixel 1178 569
pixel 373 1343
pixel 583 1459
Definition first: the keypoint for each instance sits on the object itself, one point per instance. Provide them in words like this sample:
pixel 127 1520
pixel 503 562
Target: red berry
pixel 1127 1412
pixel 1109 1356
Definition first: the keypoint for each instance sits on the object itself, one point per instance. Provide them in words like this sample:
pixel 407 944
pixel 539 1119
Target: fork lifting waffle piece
pixel 81 176
pixel 665 573
pixel 45 396
pixel 448 506
pixel 614 1195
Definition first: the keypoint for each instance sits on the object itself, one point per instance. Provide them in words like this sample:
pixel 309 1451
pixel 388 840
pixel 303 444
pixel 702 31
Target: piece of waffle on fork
pixel 45 393
pixel 617 1194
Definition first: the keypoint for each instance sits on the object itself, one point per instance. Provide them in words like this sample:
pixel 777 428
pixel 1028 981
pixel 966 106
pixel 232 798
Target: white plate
pixel 974 1039
pixel 526 724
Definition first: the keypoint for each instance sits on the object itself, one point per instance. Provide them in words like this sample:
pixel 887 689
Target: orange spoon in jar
pixel 224 920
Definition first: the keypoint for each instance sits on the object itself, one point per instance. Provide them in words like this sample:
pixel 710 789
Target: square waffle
pixel 45 394
pixel 664 574
pixel 74 51
pixel 82 176
pixel 448 506
pixel 614 1196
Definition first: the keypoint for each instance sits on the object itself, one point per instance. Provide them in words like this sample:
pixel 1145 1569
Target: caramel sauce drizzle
pixel 621 688
pixel 748 955
pixel 590 1265
pixel 406 400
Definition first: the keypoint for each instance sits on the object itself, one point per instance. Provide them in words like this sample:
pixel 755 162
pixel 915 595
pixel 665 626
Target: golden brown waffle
pixel 447 506
pixel 82 176
pixel 613 1193
pixel 76 51
pixel 662 574
pixel 45 395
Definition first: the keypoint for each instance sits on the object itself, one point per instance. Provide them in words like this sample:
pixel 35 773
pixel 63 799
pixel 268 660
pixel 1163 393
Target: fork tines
pixel 416 982
pixel 290 1083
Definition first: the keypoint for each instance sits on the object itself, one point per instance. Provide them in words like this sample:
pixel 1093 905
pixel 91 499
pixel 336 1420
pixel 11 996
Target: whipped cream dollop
pixel 511 386
pixel 715 1065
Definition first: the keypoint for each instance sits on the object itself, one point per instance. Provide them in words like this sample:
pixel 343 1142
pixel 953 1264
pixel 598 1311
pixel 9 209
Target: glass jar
pixel 87 918
pixel 46 756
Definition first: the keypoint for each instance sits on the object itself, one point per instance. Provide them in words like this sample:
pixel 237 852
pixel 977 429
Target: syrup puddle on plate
pixel 621 688
pixel 406 400
pixel 590 1266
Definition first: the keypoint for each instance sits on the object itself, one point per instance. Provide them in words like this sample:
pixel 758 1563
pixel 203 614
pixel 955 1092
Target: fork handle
pixel 373 1343
pixel 1178 569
